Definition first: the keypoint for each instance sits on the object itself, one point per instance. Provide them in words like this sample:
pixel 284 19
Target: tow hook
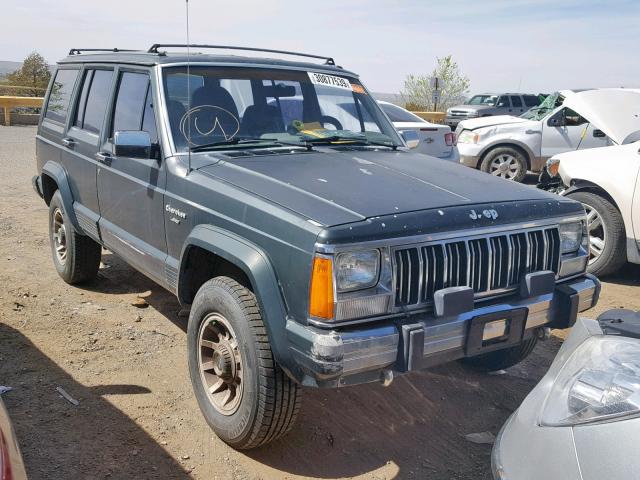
pixel 386 377
pixel 544 333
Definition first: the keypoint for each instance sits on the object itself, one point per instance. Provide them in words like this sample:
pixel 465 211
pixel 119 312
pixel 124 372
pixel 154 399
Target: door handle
pixel 104 157
pixel 68 142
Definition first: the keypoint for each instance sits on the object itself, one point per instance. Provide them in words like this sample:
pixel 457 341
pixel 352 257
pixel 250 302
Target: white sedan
pixel 434 139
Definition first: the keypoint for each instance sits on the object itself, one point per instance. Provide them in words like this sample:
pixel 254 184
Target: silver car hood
pixel 615 111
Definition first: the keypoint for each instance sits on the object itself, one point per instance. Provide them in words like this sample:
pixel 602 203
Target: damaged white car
pixel 582 421
pixel 568 120
pixel 607 182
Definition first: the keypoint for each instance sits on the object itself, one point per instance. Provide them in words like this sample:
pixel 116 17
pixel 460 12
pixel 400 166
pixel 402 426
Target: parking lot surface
pixel 118 347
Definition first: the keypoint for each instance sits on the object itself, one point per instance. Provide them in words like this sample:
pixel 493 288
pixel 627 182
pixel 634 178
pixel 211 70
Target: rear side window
pixel 531 100
pixel 93 100
pixel 60 95
pixel 130 101
pixel 515 101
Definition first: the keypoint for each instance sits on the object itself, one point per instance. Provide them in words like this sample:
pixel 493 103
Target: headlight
pixel 474 113
pixel 570 236
pixel 357 270
pixel 599 382
pixel 467 136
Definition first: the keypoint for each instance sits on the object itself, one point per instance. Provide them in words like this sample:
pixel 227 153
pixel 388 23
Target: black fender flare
pixel 254 262
pixel 58 174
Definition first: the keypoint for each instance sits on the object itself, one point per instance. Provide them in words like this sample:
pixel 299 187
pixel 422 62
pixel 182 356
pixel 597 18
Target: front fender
pixel 58 174
pixel 256 265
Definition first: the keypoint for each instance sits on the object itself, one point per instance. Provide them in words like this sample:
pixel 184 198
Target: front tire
pixel 501 359
pixel 607 242
pixel 505 162
pixel 75 256
pixel 245 397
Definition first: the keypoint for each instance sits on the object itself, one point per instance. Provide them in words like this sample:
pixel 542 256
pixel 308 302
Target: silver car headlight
pixel 468 136
pixel 600 382
pixel 357 270
pixel 571 236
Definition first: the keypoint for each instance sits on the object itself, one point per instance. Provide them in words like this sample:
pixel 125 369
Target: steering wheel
pixel 331 120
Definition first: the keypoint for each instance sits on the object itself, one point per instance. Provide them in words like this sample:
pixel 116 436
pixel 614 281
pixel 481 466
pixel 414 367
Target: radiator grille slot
pixel 486 264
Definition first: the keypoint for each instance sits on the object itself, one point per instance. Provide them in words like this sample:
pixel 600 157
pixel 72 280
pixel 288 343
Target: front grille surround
pixel 492 264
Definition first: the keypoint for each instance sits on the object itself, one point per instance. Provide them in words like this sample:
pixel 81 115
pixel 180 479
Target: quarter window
pixel 531 100
pixel 60 95
pixel 93 100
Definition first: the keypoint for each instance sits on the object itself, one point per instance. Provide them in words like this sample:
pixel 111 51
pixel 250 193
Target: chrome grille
pixel 486 264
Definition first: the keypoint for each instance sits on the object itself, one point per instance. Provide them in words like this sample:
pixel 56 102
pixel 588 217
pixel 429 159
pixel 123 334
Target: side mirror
pixel 598 133
pixel 132 144
pixel 411 138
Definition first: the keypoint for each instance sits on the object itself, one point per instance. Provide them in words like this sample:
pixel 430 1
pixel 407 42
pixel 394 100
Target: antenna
pixel 188 94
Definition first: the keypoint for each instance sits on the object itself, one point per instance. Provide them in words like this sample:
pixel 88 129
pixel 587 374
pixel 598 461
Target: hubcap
pixel 220 364
pixel 59 236
pixel 597 233
pixel 505 166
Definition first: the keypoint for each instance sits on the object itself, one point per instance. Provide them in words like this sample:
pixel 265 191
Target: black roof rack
pixel 154 49
pixel 76 51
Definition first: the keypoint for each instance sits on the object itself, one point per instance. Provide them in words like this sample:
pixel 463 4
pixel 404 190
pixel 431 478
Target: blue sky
pixel 540 46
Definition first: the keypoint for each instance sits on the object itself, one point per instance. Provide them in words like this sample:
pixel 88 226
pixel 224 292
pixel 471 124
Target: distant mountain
pixel 389 97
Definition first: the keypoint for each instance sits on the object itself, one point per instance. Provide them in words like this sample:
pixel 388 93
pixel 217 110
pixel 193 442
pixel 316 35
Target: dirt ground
pixel 137 417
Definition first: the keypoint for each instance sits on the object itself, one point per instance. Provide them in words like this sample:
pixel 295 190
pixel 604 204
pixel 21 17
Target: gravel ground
pixel 136 416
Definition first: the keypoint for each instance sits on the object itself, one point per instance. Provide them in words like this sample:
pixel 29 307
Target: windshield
pixel 231 106
pixel 550 103
pixel 399 114
pixel 483 100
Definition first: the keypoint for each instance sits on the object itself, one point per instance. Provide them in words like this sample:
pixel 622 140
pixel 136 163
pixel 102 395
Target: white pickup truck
pixel 568 120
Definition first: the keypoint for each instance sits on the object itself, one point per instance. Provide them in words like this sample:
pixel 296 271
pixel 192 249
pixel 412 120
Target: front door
pixel 131 190
pixel 562 132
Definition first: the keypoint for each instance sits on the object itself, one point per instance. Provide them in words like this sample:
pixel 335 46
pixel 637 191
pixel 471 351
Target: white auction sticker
pixel 329 80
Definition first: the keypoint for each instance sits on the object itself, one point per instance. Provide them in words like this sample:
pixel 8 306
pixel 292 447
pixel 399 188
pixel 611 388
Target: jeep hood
pixel 615 111
pixel 491 121
pixel 332 187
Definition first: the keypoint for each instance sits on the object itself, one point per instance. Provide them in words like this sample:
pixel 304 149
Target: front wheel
pixel 244 395
pixel 505 162
pixel 607 238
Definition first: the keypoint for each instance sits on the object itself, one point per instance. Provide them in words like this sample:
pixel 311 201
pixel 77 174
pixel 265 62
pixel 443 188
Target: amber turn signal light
pixel 321 292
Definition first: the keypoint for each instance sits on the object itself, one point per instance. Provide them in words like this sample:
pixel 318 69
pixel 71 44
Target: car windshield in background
pixel 398 114
pixel 215 107
pixel 483 100
pixel 550 103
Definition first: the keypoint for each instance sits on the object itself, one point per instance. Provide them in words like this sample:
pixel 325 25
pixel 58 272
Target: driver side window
pixel 566 118
pixel 503 102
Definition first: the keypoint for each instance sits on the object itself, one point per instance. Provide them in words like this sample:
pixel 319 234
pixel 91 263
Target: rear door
pixel 81 143
pixel 131 190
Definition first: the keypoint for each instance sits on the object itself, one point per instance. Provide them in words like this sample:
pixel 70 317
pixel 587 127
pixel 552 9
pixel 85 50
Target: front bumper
pixel 470 154
pixel 360 354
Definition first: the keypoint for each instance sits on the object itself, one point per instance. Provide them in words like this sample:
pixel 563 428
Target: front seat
pixel 214 115
pixel 261 119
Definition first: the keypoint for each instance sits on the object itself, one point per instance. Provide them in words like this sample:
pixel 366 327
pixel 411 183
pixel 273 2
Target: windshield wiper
pixel 246 141
pixel 347 139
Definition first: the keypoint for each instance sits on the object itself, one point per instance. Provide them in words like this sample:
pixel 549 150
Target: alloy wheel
pixel 597 233
pixel 220 364
pixel 505 166
pixel 59 236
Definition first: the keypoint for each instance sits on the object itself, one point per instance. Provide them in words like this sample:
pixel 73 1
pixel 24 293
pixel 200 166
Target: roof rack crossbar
pixel 154 49
pixel 76 51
